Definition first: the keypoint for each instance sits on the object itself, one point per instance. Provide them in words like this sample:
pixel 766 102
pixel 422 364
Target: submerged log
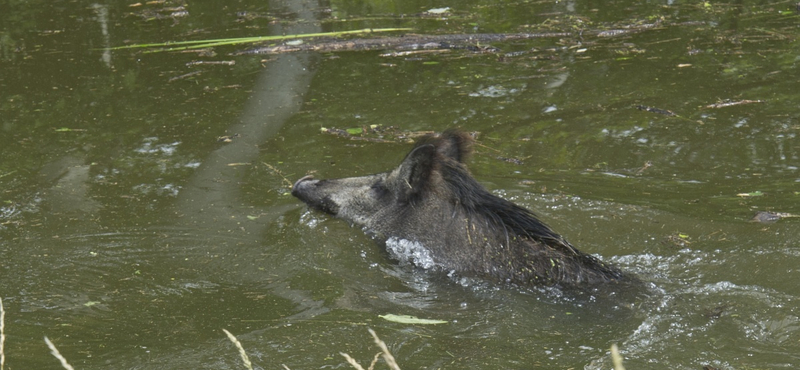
pixel 476 42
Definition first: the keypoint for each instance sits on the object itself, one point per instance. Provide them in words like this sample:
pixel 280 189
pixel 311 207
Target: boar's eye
pixel 379 189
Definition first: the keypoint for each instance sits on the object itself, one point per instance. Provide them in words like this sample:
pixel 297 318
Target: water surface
pixel 130 234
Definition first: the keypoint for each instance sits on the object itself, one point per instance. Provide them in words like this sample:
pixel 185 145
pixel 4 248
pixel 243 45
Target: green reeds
pixel 200 44
pixel 2 335
pixel 247 364
pixel 616 358
pixel 387 356
pixel 56 354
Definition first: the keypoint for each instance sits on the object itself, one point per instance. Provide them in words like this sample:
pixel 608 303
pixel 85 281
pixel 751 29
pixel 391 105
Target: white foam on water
pixel 407 251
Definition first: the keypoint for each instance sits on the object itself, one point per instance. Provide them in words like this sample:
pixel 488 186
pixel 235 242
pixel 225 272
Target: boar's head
pixel 374 201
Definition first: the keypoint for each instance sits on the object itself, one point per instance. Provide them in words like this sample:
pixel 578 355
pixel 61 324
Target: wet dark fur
pixel 543 244
pixel 498 239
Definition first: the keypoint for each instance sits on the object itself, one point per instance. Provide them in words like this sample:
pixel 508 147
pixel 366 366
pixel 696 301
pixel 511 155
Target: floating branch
pixel 726 104
pixel 408 42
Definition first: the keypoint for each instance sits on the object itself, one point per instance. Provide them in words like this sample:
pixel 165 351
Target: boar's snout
pixel 300 187
pixel 296 186
pixel 309 191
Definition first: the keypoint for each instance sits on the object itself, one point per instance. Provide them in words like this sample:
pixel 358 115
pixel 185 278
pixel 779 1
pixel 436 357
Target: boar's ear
pixel 455 144
pixel 415 171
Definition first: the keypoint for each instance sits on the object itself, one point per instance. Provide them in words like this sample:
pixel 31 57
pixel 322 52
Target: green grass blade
pixel 200 44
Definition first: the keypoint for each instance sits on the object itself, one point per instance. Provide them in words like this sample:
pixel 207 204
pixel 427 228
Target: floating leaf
pixel 406 319
pixel 354 131
pixel 439 10
pixel 756 193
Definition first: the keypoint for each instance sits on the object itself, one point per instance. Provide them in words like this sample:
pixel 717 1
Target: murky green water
pixel 130 235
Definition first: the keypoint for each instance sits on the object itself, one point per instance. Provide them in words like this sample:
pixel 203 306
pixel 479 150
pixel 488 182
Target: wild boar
pixel 431 212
